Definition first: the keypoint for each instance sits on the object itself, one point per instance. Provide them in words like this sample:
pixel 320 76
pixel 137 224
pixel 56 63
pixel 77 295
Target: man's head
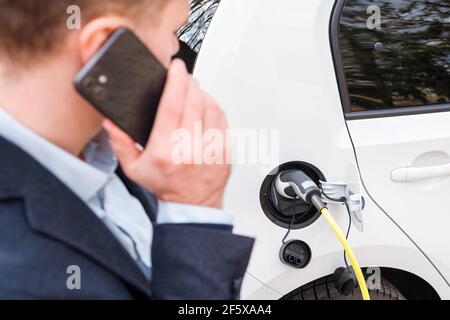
pixel 31 29
pixel 39 56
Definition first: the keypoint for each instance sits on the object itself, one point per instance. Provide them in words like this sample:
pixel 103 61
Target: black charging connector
pixel 345 281
pixel 295 254
pixel 289 213
pixel 297 184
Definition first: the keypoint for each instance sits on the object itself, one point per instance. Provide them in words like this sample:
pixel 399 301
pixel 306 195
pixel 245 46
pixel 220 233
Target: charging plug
pixel 345 281
pixel 296 184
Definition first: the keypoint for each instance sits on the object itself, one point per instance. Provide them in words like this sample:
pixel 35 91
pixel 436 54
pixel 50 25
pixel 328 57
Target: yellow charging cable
pixel 337 230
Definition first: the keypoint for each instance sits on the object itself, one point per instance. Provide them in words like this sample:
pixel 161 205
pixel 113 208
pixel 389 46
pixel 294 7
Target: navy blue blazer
pixel 45 229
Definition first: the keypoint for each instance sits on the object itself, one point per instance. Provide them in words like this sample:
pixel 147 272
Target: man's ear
pixel 96 32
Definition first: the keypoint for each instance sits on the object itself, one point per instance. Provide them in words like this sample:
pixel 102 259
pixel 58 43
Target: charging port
pixel 295 254
pixel 284 212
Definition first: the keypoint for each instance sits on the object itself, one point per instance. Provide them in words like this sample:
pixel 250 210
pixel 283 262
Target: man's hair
pixel 32 27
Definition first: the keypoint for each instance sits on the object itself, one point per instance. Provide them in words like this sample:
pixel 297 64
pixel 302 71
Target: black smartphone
pixel 124 81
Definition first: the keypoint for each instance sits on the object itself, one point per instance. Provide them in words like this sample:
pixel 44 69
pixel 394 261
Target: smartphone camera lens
pixel 100 93
pixel 103 79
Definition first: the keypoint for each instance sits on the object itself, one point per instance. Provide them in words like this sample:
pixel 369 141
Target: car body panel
pixel 419 206
pixel 271 68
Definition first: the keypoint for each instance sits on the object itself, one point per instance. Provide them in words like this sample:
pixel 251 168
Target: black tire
pixel 324 289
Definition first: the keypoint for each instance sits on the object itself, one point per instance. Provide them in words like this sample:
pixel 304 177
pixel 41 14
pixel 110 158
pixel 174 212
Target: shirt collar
pixel 85 178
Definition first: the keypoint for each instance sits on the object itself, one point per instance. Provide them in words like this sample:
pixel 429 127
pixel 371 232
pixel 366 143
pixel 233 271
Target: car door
pixel 393 66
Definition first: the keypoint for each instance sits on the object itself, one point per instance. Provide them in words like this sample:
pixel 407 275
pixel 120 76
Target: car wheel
pixel 325 289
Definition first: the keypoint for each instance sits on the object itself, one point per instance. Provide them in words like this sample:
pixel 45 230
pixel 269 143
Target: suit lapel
pixel 52 209
pixel 148 200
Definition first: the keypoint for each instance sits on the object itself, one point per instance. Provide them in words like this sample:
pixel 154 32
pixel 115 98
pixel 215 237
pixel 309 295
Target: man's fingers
pixel 124 147
pixel 194 106
pixel 216 119
pixel 215 122
pixel 170 111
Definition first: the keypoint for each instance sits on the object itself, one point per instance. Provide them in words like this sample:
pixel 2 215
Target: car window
pixel 192 34
pixel 395 53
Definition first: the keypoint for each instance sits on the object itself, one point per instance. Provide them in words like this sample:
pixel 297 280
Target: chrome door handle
pixel 412 174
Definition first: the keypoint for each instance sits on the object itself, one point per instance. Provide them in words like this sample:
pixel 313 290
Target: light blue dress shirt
pixel 95 182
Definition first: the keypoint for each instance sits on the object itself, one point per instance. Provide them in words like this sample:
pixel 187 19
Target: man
pixel 73 223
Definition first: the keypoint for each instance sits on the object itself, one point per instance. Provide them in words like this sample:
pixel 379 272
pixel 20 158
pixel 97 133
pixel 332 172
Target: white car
pixel 357 93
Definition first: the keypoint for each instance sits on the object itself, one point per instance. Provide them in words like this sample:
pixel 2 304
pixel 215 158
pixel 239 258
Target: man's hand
pixel 182 105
